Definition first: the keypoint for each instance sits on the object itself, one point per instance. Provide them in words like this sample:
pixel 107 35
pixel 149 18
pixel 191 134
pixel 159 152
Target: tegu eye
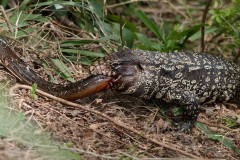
pixel 139 66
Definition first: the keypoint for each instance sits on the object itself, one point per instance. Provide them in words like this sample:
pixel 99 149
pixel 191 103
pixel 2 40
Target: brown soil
pixel 93 133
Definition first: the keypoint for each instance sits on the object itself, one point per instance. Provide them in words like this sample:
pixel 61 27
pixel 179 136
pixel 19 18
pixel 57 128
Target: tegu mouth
pixel 104 68
pixel 119 71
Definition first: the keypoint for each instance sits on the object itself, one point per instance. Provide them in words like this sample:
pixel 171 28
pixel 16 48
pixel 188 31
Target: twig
pixel 176 9
pixel 23 44
pixel 127 2
pixel 66 27
pixel 203 22
pixel 132 138
pixel 118 123
pixel 6 18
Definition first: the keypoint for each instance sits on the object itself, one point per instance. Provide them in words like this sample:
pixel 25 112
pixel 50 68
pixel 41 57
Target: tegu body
pixel 183 78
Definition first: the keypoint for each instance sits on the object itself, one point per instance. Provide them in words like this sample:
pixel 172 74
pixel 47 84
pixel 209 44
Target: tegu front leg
pixel 191 104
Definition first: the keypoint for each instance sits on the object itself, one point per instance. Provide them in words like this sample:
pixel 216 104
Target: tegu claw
pixel 186 126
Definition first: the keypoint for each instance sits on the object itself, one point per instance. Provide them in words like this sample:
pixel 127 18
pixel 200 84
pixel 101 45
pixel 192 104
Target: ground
pixel 93 133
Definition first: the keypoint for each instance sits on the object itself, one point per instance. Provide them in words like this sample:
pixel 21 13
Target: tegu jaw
pixel 126 71
pixel 108 65
pixel 102 67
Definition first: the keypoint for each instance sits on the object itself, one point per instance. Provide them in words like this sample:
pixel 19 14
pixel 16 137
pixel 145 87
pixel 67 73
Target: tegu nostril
pixel 91 68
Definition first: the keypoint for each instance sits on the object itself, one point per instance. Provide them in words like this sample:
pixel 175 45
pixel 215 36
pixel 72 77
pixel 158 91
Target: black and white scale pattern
pixel 184 78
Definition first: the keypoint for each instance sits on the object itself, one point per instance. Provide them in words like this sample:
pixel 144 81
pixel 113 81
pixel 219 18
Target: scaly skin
pixel 183 78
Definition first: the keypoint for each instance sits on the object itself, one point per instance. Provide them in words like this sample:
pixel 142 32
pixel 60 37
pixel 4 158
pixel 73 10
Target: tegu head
pixel 124 66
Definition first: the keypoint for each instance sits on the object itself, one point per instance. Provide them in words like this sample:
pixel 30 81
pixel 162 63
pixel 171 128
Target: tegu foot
pixel 191 108
pixel 185 126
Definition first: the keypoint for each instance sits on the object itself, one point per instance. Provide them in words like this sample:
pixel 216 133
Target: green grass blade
pixel 191 31
pixel 83 53
pixel 96 8
pixel 49 3
pixel 147 44
pixel 143 39
pixel 185 34
pixel 149 23
pixel 76 42
pixel 215 136
pixel 208 30
pixel 113 36
pixel 83 60
pixel 63 71
pixel 24 4
pixel 127 35
pixel 127 24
